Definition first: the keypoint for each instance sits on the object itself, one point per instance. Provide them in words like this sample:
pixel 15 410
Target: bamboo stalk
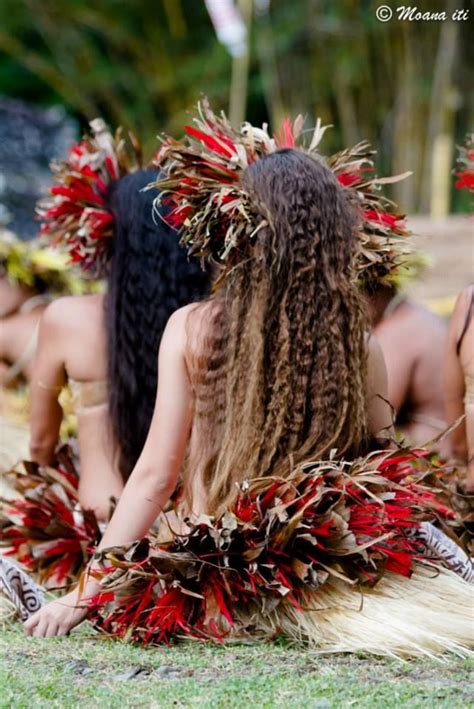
pixel 240 70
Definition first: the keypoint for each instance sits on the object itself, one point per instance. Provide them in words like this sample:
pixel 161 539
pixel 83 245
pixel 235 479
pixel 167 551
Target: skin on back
pixel 413 342
pixel 72 345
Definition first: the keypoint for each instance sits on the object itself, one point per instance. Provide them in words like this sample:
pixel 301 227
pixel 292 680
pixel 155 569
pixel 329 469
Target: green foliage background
pixel 144 63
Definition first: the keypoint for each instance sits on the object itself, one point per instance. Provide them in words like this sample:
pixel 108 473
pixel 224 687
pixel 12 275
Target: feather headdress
pixel 202 188
pixel 75 213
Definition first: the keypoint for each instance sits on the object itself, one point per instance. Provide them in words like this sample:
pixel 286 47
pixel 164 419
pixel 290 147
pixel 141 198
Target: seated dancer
pixel 412 341
pixel 103 346
pixel 29 275
pixel 264 390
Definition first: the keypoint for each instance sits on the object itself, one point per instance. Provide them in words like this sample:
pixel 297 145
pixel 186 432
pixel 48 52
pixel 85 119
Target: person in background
pixel 105 345
pixel 28 278
pixel 31 275
pixel 413 341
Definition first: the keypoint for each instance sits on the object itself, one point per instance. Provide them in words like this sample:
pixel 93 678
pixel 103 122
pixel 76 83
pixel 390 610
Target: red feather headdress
pixel 465 170
pixel 75 213
pixel 214 214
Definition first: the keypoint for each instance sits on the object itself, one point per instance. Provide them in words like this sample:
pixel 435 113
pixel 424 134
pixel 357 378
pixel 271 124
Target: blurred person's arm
pixel 380 417
pixel 47 379
pixel 399 363
pixel 453 378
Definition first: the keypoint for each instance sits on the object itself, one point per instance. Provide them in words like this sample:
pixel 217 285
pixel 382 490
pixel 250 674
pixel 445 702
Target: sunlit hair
pixel 280 375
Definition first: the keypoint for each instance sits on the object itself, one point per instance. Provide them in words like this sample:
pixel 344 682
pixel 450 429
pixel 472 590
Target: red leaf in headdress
pixel 285 137
pixel 177 217
pixel 388 220
pixel 111 168
pixel 209 141
pixel 349 178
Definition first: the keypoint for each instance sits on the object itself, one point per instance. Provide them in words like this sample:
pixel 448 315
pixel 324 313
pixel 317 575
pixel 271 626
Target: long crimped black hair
pixel 149 277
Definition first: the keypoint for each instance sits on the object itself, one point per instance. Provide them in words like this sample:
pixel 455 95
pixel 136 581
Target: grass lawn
pixel 82 671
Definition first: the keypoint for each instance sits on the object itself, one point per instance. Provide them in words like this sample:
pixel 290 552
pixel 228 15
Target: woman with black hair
pixel 103 346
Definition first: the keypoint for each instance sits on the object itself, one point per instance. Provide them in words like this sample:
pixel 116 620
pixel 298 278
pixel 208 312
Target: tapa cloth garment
pixel 20 596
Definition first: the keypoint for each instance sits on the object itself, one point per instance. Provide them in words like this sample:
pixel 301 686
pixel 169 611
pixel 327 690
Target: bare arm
pixel 48 377
pixel 155 475
pixel 453 379
pixel 400 367
pixel 379 410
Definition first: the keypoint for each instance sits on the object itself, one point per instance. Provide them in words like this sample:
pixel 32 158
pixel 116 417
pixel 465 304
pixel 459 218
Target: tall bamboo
pixel 240 70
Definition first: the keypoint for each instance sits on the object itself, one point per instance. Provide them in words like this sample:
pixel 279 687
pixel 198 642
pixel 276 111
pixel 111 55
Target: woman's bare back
pixel 72 348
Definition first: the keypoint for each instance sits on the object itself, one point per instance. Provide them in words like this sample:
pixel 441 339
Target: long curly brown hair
pixel 279 370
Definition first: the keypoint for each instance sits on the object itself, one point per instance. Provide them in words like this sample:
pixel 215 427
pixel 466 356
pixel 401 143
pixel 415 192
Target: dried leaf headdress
pixel 75 213
pixel 214 214
pixel 465 169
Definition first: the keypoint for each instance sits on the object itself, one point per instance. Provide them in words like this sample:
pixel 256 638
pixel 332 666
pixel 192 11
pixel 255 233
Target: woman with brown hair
pixel 265 391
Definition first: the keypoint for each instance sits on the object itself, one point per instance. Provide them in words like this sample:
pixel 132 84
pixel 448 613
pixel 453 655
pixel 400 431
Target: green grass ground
pixel 82 671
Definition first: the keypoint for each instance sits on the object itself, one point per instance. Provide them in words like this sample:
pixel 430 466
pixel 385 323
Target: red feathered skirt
pixel 340 555
pixel 42 525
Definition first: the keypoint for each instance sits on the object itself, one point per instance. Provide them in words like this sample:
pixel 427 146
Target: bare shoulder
pixel 462 305
pixel 71 312
pixel 175 334
pixel 74 327
pixel 187 329
pixel 188 319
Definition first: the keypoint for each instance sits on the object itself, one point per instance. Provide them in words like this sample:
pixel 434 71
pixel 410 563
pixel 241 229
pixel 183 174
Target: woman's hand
pixel 62 615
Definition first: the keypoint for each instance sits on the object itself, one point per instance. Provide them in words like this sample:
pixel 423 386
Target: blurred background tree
pixel 402 85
